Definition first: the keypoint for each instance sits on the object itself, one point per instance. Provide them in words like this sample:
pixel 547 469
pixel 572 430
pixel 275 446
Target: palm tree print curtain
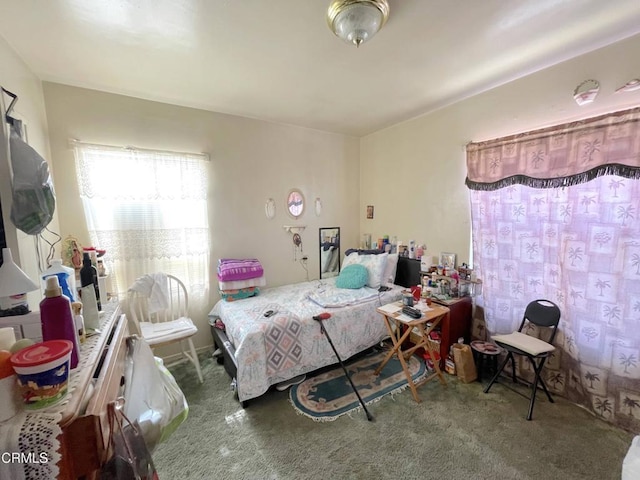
pixel 556 215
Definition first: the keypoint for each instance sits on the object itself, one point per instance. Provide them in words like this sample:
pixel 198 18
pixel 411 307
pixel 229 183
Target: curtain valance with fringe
pixel 559 156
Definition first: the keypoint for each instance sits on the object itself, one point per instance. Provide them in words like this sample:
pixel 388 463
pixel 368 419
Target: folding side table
pixel 400 326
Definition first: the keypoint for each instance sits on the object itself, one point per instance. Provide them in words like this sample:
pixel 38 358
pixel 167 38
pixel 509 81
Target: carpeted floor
pixel 456 433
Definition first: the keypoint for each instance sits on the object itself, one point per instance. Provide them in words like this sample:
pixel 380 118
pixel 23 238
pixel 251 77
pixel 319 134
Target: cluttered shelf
pixel 425 283
pixel 449 286
pixel 71 435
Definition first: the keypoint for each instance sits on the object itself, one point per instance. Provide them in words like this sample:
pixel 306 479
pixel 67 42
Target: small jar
pixel 407 299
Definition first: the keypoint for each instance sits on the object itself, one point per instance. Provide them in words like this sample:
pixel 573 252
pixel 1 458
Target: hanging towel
pixel 155 287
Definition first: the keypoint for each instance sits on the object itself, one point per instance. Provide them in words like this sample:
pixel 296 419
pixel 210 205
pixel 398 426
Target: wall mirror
pixel 295 203
pixel 329 252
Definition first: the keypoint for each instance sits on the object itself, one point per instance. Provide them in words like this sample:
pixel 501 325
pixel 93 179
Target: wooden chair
pixel 159 304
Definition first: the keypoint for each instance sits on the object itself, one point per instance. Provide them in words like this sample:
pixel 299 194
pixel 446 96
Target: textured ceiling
pixel 277 60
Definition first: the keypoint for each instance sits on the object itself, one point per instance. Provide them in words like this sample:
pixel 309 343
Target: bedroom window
pixel 555 216
pixel 148 210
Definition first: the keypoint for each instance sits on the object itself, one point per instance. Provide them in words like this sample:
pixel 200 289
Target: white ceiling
pixel 276 60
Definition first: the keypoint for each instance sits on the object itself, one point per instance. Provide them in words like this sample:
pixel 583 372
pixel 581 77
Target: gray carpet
pixel 456 433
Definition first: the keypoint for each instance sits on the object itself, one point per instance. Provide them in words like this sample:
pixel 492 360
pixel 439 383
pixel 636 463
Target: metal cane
pixel 319 319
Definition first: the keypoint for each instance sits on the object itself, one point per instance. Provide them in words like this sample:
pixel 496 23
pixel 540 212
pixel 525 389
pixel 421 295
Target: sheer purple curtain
pixel 556 215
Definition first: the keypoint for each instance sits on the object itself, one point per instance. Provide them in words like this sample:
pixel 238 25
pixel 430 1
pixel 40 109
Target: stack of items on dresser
pixel 240 278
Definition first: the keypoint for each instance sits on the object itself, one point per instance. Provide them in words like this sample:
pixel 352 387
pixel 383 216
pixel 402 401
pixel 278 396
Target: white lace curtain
pixel 148 210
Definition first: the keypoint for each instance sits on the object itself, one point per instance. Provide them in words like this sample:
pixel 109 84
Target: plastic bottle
pixel 449 363
pixel 90 312
pixel 76 307
pixel 56 318
pixel 66 278
pixel 89 276
pixel 93 255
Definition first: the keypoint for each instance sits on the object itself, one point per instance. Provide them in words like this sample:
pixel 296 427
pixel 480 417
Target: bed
pixel 259 351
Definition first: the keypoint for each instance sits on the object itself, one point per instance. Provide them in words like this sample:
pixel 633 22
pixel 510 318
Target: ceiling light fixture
pixel 356 21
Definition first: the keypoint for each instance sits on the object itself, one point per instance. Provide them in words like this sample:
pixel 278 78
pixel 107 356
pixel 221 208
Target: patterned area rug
pixel 329 395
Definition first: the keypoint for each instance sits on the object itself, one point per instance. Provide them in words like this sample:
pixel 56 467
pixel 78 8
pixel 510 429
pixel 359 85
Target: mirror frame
pixel 295 191
pixel 336 244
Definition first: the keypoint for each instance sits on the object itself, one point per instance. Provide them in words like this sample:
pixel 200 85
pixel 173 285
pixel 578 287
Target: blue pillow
pixel 353 276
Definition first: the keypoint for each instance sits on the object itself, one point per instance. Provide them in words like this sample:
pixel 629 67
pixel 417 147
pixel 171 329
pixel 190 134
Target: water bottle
pixel 412 249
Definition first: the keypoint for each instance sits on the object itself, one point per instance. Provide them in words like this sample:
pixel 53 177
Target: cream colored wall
pixel 414 172
pixel 16 77
pixel 251 161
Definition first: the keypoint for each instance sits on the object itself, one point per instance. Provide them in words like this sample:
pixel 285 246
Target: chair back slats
pixel 175 297
pixel 137 306
pixel 178 302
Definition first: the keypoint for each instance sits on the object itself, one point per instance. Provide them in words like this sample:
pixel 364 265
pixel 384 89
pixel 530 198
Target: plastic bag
pixel 153 398
pixel 32 189
pixel 631 462
pixel 130 457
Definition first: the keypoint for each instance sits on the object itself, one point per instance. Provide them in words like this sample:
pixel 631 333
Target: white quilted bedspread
pixel 289 343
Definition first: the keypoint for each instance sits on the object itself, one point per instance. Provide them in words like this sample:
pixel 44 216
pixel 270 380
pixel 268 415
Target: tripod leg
pixel 324 331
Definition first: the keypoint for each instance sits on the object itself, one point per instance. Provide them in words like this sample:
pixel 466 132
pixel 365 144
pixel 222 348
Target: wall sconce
pixel 270 208
pixel 630 86
pixel 586 92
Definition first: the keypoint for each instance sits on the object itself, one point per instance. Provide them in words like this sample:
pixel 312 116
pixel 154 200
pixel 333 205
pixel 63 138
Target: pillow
pixel 374 264
pixel 390 268
pixel 352 276
pixel 361 251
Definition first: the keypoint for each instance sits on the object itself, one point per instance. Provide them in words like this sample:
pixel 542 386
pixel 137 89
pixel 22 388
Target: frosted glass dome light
pixel 356 21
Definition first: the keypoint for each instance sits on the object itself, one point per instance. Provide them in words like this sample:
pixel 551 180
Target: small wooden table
pixel 395 321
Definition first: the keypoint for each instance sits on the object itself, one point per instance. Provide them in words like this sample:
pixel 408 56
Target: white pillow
pixel 390 268
pixel 375 265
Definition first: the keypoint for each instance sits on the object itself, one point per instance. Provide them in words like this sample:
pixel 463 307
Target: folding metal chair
pixel 544 314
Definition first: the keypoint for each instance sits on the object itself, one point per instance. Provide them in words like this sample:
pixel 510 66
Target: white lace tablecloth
pixel 29 441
